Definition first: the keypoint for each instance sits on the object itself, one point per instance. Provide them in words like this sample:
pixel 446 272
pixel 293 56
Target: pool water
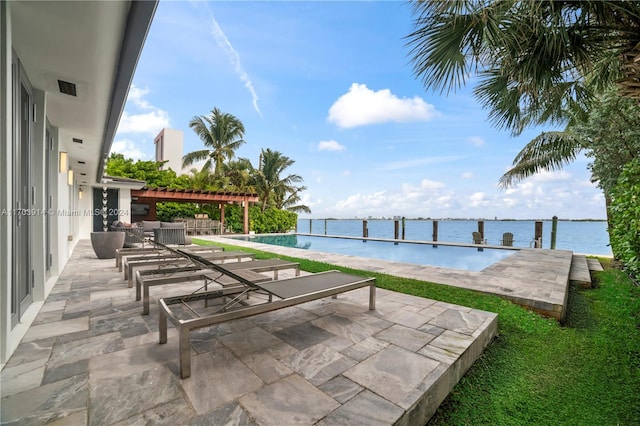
pixel 466 258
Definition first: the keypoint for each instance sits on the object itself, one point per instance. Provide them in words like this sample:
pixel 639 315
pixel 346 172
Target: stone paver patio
pixel 92 358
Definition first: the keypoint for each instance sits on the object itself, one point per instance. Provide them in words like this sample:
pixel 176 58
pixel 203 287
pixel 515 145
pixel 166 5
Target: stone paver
pixel 92 358
pixel 579 274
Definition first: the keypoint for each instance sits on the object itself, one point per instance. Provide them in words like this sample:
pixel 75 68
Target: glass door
pixel 22 274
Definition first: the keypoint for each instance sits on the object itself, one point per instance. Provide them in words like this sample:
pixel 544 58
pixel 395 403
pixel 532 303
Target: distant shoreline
pixel 453 219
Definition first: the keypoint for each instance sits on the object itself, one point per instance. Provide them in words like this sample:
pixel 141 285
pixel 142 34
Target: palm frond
pixel 194 157
pixel 547 152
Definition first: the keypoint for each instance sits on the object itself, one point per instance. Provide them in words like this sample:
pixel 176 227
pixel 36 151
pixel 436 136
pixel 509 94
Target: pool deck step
pixel 594 265
pixel 579 274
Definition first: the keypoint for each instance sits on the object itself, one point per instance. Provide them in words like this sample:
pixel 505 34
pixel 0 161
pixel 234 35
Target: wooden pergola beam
pixel 154 195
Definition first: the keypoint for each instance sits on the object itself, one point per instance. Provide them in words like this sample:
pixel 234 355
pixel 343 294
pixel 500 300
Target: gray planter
pixel 105 244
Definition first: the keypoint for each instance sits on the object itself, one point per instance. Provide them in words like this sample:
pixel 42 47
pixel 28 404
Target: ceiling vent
pixel 67 88
pixel 76 140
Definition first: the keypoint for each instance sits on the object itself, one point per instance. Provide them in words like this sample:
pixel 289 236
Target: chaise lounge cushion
pixel 150 225
pixel 172 225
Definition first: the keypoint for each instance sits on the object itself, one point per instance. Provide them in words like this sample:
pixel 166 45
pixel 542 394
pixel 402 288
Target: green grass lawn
pixel 537 372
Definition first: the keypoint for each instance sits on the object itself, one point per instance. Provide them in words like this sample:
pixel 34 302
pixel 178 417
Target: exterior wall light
pixel 63 161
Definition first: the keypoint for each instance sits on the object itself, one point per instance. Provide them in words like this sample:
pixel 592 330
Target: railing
pixel 370 228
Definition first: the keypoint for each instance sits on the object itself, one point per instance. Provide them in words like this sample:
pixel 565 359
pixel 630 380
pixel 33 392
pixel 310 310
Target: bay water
pixel 588 237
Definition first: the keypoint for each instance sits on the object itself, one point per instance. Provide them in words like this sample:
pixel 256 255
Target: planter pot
pixel 105 244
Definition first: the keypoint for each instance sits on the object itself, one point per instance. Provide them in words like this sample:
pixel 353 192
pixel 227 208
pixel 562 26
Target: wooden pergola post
pixel 222 227
pixel 245 204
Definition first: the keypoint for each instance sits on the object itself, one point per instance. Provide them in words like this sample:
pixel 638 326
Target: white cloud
pixel 425 198
pixel 468 175
pixel 431 184
pixel 545 176
pixel 418 162
pixel 510 202
pixel 362 201
pixel 446 202
pixel 330 146
pixel 150 123
pixel 308 200
pixel 361 106
pixel 476 141
pixel 346 173
pixel 478 199
pixel 429 198
pixel 129 149
pixel 136 95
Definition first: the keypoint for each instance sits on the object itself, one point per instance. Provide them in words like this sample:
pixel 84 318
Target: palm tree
pixel 610 134
pixel 238 174
pixel 290 201
pixel 222 134
pixel 272 188
pixel 200 179
pixel 535 59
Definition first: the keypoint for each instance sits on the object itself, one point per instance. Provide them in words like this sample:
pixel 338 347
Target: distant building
pixel 169 148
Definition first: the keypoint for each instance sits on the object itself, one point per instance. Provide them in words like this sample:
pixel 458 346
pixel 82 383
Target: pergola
pixel 151 196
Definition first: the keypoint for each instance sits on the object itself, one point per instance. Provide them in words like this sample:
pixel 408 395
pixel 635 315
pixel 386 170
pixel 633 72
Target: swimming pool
pixel 446 256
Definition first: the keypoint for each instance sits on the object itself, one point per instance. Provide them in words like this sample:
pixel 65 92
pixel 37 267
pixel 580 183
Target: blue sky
pixel 330 85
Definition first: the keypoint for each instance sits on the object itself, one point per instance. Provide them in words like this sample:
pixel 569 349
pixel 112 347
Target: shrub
pixel 167 211
pixel 272 220
pixel 624 214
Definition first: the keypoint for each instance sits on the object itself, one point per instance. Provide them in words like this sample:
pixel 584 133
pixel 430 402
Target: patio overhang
pixel 120 183
pixel 83 56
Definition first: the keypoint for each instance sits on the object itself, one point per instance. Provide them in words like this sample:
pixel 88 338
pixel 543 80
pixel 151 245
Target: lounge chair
pixel 177 275
pixel 166 259
pixel 507 239
pixel 477 238
pixel 186 266
pixel 120 253
pixel 156 253
pixel 207 276
pixel 289 292
pixel 124 252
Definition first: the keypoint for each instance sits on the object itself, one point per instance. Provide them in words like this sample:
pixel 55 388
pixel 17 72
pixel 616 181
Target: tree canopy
pixel 534 60
pixel 222 134
pixel 274 188
pixel 148 171
pixel 609 135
